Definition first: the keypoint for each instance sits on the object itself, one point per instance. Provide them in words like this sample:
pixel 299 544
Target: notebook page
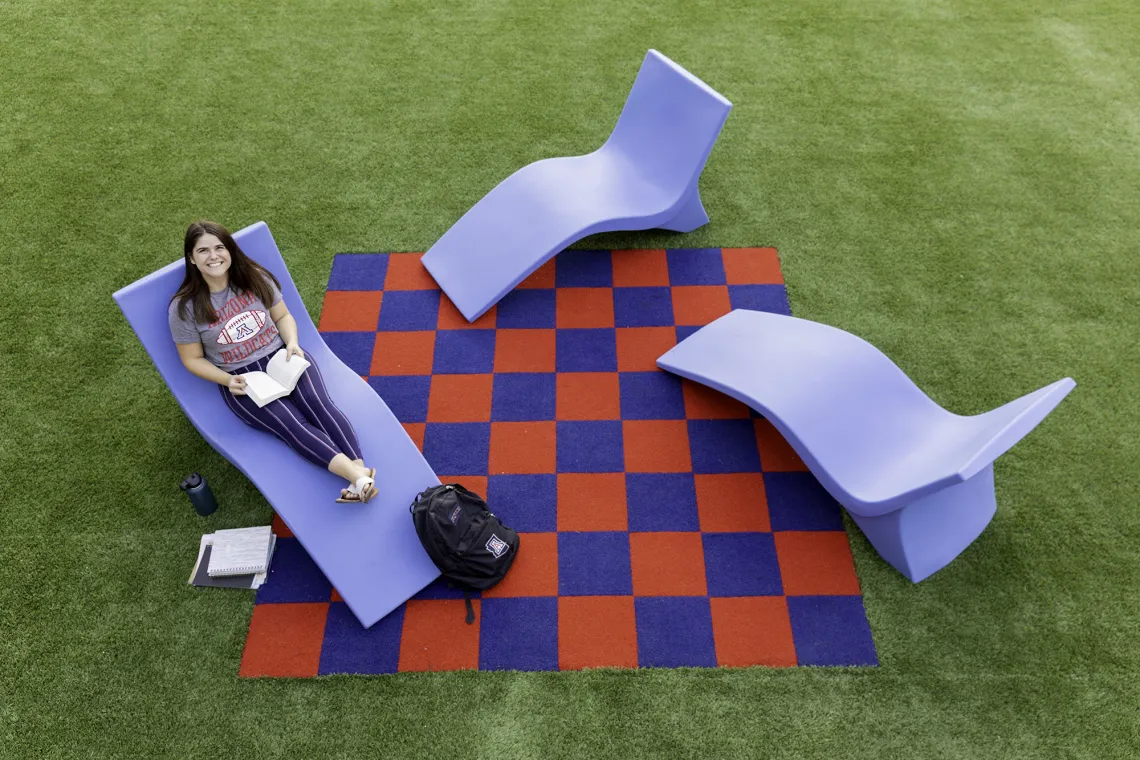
pixel 240 550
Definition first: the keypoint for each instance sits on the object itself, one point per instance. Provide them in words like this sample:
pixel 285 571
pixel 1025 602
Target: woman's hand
pixel 237 385
pixel 291 349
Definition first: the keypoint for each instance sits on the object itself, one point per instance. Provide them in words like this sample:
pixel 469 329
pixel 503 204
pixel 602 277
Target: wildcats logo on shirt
pixel 242 327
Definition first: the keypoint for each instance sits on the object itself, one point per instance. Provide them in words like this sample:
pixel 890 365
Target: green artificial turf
pixel 954 180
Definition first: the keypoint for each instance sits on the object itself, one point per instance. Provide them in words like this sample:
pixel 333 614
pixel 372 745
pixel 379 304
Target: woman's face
pixel 211 257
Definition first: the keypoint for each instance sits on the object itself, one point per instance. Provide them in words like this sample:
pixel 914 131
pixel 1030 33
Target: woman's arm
pixel 286 325
pixel 195 360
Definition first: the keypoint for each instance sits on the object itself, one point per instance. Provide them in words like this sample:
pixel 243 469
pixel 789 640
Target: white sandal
pixel 360 492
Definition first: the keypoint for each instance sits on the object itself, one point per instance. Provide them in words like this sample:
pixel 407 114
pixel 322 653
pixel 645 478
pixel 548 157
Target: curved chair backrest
pixel 870 435
pixel 370 554
pixel 669 124
pixel 140 302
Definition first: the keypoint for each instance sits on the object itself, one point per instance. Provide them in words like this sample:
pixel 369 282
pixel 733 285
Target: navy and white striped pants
pixel 307 420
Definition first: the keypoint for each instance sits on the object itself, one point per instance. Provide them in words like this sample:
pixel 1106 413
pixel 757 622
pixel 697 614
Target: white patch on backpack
pixel 454 517
pixel 496 546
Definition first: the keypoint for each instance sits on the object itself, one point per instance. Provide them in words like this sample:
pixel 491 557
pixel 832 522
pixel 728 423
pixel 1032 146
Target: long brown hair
pixel 245 274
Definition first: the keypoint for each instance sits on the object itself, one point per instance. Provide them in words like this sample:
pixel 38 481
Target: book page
pixel 261 387
pixel 287 373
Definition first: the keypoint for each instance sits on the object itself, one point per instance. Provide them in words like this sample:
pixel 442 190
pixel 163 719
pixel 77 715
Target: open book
pixel 279 378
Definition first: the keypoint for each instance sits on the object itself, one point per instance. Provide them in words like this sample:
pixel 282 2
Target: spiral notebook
pixel 200 577
pixel 241 551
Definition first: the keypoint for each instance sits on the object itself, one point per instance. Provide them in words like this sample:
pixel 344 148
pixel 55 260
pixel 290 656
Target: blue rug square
pixel 293 576
pixel 583 269
pixel 526 308
pixel 523 397
pixel 742 564
pixel 651 396
pixel 831 630
pixel 349 647
pixel 643 307
pixel 796 501
pixel 405 395
pixel 594 564
pixel 352 348
pixel 464 352
pixel 661 501
pixel 684 331
pixel 695 266
pixel 674 632
pixel 589 446
pixel 723 446
pixel 526 503
pixel 409 310
pixel 773 298
pixel 585 349
pixel 358 271
pixel 458 448
pixel 518 633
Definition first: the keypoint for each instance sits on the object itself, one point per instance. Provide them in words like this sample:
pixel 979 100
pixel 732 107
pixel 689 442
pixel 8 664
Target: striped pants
pixel 307 420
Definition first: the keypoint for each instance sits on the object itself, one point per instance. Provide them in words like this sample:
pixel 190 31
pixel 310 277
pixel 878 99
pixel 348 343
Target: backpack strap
pixel 470 609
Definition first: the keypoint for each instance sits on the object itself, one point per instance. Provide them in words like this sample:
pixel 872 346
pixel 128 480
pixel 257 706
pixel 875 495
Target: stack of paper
pixel 237 558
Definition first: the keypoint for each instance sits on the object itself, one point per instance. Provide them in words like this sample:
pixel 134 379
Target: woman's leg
pixel 283 419
pixel 312 397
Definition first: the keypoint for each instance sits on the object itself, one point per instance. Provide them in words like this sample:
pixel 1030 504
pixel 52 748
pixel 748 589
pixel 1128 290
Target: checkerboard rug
pixel 662 523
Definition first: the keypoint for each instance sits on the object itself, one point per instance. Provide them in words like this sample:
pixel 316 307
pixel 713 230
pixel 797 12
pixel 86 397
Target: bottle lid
pixel 193 480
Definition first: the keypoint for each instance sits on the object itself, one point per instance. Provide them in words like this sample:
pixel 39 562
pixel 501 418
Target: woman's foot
pixel 363 490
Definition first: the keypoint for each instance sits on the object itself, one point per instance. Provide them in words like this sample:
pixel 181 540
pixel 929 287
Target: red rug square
pixel 436 638
pixel 776 454
pixel 596 632
pixel 587 396
pixel 351 311
pixel 405 272
pixel 699 304
pixel 753 630
pixel 522 447
pixel 591 501
pixel 816 562
pixel 284 640
pixel 639 347
pixel 584 307
pixel 667 564
pixel 705 403
pixel 656 446
pixel 524 350
pixel 732 502
pixel 403 353
pixel 535 570
pixel 460 398
pixel 643 268
pixel 752 266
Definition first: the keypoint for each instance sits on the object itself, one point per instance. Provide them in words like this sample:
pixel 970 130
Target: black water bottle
pixel 200 494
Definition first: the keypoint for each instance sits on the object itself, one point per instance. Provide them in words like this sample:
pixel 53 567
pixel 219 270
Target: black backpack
pixel 471 547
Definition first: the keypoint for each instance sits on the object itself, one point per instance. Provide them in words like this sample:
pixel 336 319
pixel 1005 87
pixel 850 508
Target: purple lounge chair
pixel 369 552
pixel 644 176
pixel 916 478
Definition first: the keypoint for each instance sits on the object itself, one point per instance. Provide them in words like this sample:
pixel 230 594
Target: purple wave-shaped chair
pixel 369 552
pixel 917 479
pixel 644 176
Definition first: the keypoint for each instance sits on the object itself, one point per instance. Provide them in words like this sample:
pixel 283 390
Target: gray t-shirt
pixel 243 332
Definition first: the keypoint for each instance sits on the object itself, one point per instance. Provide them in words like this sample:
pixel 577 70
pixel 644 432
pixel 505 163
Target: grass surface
pixel 954 180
